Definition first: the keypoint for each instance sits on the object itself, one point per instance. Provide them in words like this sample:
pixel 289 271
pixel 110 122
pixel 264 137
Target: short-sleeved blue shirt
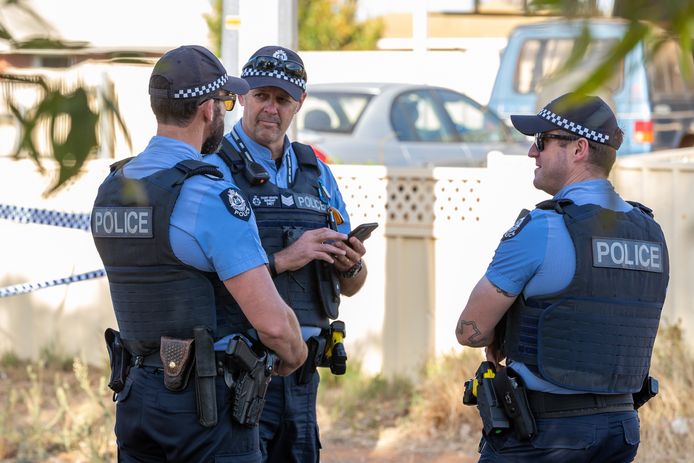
pixel 204 233
pixel 540 258
pixel 283 175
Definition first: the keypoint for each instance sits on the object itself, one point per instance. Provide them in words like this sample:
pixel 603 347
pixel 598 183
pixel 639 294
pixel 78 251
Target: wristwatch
pixel 353 270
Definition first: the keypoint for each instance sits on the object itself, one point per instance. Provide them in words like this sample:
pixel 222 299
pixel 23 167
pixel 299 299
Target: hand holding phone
pixel 363 231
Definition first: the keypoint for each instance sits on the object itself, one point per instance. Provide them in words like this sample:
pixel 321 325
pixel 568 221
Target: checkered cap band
pixel 573 127
pixel 202 89
pixel 249 72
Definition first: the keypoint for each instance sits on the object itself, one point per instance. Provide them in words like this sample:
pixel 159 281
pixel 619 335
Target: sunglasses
pixel 228 98
pixel 270 63
pixel 541 137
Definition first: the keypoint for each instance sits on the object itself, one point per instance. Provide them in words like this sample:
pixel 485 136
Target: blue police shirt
pixel 204 232
pixel 286 172
pixel 540 258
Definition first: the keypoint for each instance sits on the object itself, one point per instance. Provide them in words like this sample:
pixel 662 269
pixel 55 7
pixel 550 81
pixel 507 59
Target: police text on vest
pixel 122 222
pixel 628 254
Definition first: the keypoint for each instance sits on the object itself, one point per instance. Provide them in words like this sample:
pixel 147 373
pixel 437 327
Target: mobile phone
pixel 363 231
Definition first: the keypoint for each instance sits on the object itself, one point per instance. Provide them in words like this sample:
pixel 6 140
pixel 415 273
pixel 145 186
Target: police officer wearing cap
pixel 303 226
pixel 573 295
pixel 173 236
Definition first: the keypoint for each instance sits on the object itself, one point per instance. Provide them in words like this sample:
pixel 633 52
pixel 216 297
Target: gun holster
pixel 247 373
pixel 119 360
pixel 316 351
pixel 649 389
pixel 501 401
pixel 516 405
pixel 205 373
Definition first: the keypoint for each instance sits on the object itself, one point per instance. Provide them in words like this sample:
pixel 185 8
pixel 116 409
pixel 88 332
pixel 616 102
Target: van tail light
pixel 320 154
pixel 643 131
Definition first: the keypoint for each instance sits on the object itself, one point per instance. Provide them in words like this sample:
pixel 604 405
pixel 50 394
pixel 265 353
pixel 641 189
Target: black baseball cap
pixel 288 74
pixel 586 116
pixel 193 71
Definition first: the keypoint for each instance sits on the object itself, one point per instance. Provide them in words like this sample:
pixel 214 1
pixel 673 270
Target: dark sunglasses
pixel 270 63
pixel 541 137
pixel 228 98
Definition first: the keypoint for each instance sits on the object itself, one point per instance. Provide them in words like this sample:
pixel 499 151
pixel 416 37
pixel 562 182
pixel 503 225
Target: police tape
pixel 78 221
pixel 29 287
pixel 19 214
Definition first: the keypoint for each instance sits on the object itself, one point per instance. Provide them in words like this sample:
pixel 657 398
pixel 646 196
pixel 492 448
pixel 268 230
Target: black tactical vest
pixel 154 294
pixel 282 216
pixel 597 334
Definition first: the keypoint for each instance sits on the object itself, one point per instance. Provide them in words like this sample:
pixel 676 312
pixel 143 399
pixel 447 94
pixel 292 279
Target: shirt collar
pixel 173 149
pixel 593 186
pixel 257 149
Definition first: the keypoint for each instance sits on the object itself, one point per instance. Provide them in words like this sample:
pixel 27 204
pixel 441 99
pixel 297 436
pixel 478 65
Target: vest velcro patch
pixel 265 200
pixel 300 201
pixel 628 254
pixel 516 228
pixel 122 222
pixel 236 204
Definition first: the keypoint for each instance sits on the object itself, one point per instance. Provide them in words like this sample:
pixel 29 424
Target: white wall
pixel 471 72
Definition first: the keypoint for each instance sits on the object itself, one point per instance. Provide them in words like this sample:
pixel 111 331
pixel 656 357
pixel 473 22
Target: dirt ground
pixel 386 445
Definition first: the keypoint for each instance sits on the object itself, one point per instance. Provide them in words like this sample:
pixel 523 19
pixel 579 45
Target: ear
pixel 241 99
pixel 581 150
pixel 301 102
pixel 207 109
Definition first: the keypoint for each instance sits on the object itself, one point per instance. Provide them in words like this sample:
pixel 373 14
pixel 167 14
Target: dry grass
pixel 63 414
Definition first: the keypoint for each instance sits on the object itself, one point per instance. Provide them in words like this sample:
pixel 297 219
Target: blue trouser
pixel 154 424
pixel 288 426
pixel 605 438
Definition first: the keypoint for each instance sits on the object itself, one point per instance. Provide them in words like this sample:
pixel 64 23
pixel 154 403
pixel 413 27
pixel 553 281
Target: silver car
pixel 396 124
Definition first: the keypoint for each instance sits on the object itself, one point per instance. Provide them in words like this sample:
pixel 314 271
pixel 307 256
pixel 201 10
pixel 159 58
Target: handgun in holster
pixel 501 401
pixel 119 360
pixel 247 373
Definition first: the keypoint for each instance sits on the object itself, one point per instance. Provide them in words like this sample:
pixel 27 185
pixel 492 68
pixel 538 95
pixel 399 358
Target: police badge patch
pixel 236 204
pixel 521 222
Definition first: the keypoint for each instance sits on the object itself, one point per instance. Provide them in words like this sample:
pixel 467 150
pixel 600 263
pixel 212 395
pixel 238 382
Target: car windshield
pixel 444 116
pixel 336 112
pixel 543 59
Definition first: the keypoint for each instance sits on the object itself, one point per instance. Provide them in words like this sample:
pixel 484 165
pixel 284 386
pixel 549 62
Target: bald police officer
pixel 579 284
pixel 174 236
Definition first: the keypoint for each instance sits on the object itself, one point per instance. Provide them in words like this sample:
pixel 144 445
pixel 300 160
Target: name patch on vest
pixel 628 254
pixel 122 222
pixel 265 200
pixel 235 203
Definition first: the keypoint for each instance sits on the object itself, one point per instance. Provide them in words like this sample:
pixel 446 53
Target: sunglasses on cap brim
pixel 270 63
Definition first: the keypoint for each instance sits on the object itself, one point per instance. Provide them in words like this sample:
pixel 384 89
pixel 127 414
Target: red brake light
pixel 643 131
pixel 320 154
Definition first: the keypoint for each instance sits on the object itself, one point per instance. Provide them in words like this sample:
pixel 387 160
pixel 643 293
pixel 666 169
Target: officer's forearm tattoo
pixel 501 291
pixel 476 339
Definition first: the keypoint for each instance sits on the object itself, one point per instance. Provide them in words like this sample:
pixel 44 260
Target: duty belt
pixel 153 360
pixel 547 405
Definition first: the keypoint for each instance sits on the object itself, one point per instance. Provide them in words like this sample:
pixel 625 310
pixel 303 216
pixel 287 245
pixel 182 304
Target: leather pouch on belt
pixel 177 359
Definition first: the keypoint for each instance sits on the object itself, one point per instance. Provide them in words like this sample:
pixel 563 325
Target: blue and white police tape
pixel 46 217
pixel 19 214
pixel 29 287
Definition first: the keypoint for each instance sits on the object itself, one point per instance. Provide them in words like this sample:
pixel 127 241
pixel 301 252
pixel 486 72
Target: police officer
pixel 172 233
pixel 302 223
pixel 579 283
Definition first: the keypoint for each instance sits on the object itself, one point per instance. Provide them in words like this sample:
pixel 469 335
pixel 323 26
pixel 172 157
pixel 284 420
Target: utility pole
pixel 250 24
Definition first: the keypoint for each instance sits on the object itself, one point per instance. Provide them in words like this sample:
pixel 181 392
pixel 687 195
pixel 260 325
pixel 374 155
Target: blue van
pixel 653 101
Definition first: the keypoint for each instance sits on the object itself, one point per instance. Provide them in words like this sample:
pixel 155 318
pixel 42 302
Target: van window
pixel 664 71
pixel 540 58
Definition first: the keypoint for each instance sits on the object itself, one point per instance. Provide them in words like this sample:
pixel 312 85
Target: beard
pixel 211 143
